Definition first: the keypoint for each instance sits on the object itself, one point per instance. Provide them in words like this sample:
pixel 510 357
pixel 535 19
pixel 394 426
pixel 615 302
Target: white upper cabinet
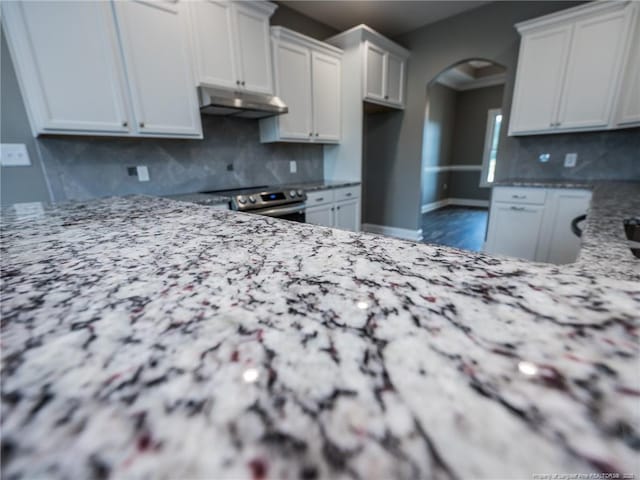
pixel 375 71
pixel 539 80
pixel 308 80
pixel 570 69
pixel 254 47
pixel 213 43
pixel 395 79
pixel 593 69
pixel 628 107
pixel 326 97
pixel 293 80
pixel 231 44
pixel 155 46
pixel 68 64
pixel 384 74
pixel 84 71
pixel 383 65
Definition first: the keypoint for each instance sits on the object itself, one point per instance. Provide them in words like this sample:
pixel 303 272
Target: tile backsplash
pixel 606 155
pixel 229 156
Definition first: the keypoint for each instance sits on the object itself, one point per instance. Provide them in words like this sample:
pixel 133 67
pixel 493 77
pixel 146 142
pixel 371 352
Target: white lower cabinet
pixel 321 215
pixel 339 208
pixel 535 224
pixel 514 229
pixel 347 215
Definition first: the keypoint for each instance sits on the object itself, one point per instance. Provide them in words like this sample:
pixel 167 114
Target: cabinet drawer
pixel 346 193
pixel 319 197
pixel 533 196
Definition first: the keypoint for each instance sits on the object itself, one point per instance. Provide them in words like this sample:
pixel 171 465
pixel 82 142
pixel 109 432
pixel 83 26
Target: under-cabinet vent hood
pixel 217 101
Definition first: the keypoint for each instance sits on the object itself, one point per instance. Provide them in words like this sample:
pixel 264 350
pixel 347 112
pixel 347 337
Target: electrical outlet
pixel 570 159
pixel 544 157
pixel 293 166
pixel 14 155
pixel 143 173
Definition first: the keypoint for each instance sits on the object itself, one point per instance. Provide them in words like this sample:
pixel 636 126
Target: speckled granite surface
pixel 147 338
pixel 324 185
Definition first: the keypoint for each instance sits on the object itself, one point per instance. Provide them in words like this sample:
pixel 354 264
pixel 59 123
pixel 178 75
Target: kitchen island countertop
pixel 143 337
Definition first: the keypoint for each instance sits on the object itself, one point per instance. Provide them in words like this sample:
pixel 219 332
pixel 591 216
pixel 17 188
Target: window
pixel 494 121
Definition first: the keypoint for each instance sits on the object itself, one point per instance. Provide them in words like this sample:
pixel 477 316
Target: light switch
pixel 14 155
pixel 570 159
pixel 143 173
pixel 293 166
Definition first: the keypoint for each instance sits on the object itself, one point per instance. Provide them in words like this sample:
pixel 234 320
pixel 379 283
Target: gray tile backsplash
pixel 607 155
pixel 229 156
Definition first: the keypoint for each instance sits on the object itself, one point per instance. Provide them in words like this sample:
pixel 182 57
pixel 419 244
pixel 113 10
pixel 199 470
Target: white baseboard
pixel 434 205
pixel 465 202
pixel 468 202
pixel 404 233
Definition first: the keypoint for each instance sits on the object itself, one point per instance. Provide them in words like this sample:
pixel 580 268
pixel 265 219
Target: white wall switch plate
pixel 143 173
pixel 14 155
pixel 570 159
pixel 293 166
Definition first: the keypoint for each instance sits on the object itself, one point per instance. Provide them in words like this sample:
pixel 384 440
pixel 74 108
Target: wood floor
pixel 460 227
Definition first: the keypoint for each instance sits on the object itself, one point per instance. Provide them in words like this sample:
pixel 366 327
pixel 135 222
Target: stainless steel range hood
pixel 217 101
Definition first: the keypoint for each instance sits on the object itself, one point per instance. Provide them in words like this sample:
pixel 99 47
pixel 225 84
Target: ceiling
pixel 389 17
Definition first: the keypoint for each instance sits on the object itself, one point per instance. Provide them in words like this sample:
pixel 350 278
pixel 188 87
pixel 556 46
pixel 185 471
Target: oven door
pixel 295 213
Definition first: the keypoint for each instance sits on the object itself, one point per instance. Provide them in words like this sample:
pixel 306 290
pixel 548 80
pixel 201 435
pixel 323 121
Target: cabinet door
pixel 320 215
pixel 395 79
pixel 559 244
pixel 327 97
pixel 154 43
pixel 541 66
pixel 514 230
pixel 348 215
pixel 67 59
pixel 375 71
pixel 293 86
pixel 593 71
pixel 629 99
pixel 254 49
pixel 212 36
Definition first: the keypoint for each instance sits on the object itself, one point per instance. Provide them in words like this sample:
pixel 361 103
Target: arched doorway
pixel 463 118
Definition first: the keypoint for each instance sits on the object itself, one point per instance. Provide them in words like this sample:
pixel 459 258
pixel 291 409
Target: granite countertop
pixel 200 198
pixel 323 185
pixel 148 338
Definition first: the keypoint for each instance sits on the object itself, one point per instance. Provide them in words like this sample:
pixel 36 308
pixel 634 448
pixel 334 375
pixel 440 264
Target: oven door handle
pixel 279 211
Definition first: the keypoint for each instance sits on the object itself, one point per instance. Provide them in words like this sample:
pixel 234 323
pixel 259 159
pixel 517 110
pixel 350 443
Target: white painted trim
pixel 453 168
pixel 492 115
pixel 404 233
pixel 465 202
pixel 469 202
pixel 569 14
pixel 428 207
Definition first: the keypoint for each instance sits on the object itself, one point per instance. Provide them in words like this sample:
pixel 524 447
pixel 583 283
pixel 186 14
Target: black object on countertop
pixel 632 230
pixel 577 231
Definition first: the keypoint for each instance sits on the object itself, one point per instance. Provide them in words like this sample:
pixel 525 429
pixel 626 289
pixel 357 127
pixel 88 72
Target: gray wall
pixel 78 167
pixel 287 17
pixel 83 168
pixel 488 33
pixel 471 123
pixel 439 135
pixel 468 148
pixel 17 184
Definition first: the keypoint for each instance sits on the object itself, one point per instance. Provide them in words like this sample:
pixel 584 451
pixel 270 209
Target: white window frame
pixel 488 138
